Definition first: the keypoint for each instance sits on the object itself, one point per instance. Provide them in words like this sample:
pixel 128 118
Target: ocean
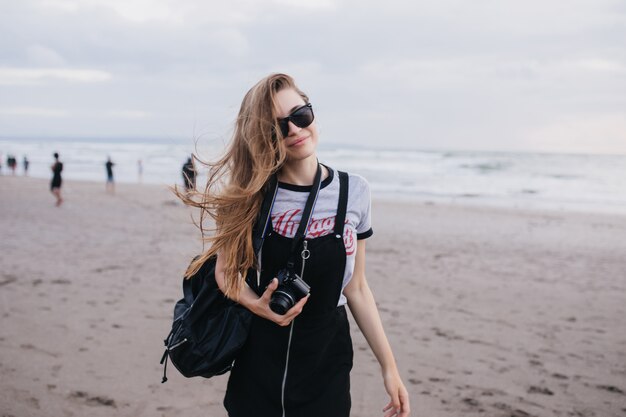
pixel 511 179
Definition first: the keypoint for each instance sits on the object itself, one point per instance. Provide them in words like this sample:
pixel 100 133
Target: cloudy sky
pixel 536 75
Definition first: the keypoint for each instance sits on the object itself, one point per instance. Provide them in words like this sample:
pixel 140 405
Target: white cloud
pixel 308 5
pixel 133 10
pixel 33 112
pixel 128 114
pixel 593 133
pixel 22 76
pixel 464 71
pixel 602 65
pixel 44 56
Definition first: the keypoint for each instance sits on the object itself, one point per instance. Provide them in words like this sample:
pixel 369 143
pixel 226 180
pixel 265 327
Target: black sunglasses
pixel 302 117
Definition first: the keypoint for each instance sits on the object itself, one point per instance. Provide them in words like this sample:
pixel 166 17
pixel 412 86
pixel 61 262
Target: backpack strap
pixel 192 287
pixel 263 219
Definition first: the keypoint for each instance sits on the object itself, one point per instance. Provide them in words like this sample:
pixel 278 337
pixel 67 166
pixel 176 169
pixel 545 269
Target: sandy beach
pixel 490 311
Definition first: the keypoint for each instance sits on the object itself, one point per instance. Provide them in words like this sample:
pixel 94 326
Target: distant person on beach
pixel 11 163
pixel 25 164
pixel 139 170
pixel 55 185
pixel 189 175
pixel 110 184
pixel 298 354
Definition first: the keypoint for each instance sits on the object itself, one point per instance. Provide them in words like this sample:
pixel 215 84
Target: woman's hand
pixel 399 397
pixel 261 307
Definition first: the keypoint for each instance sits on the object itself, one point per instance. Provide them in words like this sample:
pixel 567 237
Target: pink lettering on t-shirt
pixel 349 241
pixel 283 222
pixel 286 226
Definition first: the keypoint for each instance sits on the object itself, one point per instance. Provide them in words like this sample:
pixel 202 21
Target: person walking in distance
pixel 189 175
pixel 110 184
pixel 55 184
pixel 12 163
pixel 25 164
pixel 139 171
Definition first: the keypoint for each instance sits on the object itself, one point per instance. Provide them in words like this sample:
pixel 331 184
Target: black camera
pixel 291 289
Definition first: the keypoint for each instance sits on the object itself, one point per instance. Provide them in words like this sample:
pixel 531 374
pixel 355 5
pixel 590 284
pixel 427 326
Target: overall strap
pixel 342 205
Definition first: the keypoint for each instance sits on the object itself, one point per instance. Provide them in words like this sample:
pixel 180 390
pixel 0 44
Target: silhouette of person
pixel 189 175
pixel 11 163
pixel 139 170
pixel 25 164
pixel 110 184
pixel 55 185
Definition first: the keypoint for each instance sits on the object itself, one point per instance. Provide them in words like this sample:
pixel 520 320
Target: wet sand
pixel 490 311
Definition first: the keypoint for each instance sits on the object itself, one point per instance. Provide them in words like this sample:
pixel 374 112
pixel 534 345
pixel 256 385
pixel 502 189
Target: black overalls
pixel 301 370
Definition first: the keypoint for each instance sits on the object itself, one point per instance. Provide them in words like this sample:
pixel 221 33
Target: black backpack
pixel 208 330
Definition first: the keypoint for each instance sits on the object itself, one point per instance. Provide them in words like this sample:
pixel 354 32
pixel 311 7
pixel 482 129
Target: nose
pixel 293 129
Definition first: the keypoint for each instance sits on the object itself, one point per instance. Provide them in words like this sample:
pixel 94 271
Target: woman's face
pixel 301 142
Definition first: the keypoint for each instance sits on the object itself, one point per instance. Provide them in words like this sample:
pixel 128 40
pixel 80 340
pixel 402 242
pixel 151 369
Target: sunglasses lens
pixel 302 117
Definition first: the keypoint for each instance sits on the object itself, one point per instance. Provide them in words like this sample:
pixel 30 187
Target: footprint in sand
pixel 511 412
pixel 471 402
pixel 7 279
pixel 28 346
pixel 164 408
pixel 96 400
pixel 539 390
pixel 55 370
pixel 106 268
pixel 610 388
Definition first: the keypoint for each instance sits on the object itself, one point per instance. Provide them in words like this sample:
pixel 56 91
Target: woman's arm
pixel 363 308
pixel 260 305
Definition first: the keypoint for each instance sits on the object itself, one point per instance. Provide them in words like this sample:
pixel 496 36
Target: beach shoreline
pixel 491 311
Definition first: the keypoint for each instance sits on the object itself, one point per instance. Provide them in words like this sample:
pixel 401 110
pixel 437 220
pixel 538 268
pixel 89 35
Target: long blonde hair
pixel 236 182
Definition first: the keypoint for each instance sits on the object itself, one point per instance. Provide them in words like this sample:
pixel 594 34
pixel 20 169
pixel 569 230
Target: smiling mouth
pixel 298 141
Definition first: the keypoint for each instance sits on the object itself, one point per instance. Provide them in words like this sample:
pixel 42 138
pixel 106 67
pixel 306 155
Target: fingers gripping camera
pixel 291 289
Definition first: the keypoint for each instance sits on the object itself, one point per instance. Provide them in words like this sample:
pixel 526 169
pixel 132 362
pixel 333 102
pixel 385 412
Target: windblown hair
pixel 237 183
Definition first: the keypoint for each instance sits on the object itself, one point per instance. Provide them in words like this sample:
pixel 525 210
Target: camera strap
pixel 305 221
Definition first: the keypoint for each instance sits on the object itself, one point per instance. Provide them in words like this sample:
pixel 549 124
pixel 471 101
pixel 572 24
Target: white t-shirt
pixel 290 201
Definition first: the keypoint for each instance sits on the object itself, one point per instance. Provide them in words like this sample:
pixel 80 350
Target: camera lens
pixel 281 302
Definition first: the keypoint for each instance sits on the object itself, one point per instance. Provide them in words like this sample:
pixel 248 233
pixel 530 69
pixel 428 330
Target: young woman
pixel 297 363
pixel 55 184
